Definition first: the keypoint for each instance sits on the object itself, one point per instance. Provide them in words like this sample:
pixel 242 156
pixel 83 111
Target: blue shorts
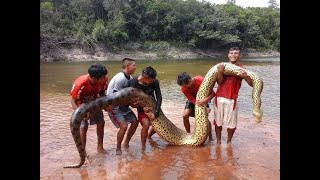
pixel 122 113
pixel 95 118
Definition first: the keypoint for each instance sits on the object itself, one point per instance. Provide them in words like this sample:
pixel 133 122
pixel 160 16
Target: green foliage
pixel 154 23
pixel 192 42
pixel 156 45
pixel 99 31
pixel 116 32
pixel 160 47
pixel 46 5
pixel 219 29
pixel 84 40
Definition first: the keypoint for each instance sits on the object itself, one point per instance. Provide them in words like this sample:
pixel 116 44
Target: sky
pixel 245 3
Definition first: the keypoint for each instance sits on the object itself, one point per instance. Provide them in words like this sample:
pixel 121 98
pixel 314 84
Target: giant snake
pixel 162 125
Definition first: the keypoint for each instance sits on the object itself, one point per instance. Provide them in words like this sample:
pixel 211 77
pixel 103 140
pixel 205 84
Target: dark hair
pixel 97 70
pixel 126 61
pixel 183 78
pixel 150 72
pixel 235 48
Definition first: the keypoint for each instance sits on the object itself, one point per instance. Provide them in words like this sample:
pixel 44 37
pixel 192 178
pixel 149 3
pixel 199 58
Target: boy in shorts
pixel 121 116
pixel 190 87
pixel 86 88
pixel 150 85
pixel 225 103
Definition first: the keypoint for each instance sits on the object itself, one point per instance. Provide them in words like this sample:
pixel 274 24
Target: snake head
pixel 257 113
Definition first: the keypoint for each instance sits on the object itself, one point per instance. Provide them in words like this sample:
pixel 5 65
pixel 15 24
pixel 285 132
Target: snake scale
pixel 162 125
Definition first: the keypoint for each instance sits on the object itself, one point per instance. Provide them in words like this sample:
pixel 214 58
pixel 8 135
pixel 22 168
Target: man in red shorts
pixel 150 85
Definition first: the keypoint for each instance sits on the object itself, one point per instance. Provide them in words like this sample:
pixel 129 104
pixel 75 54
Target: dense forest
pixel 156 25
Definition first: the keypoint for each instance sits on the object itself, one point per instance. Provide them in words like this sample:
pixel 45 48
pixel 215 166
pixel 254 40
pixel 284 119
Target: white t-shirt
pixel 118 82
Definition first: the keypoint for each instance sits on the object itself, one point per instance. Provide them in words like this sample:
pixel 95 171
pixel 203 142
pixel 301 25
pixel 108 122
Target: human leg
pixel 83 135
pixel 117 118
pixel 123 128
pixel 188 111
pixel 151 132
pixel 218 130
pixel 144 131
pixel 186 121
pixel 83 132
pixel 131 131
pixel 219 116
pixel 210 131
pixel 231 120
pixel 130 117
pixel 230 134
pixel 144 121
pixel 100 134
pixel 98 118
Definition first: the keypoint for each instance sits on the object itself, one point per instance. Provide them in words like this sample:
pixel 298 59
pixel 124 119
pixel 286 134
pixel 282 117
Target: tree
pixel 231 2
pixel 273 4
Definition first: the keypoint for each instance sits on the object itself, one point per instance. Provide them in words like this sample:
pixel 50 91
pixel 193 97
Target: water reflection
pixel 84 174
pixel 254 154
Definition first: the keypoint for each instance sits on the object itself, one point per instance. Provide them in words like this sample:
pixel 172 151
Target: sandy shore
pixel 173 53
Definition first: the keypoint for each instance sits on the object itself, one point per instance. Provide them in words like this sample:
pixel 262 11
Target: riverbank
pixel 100 54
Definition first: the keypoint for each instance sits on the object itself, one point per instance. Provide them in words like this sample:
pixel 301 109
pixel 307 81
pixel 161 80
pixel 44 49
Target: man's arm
pixel 204 101
pixel 247 78
pixel 159 99
pixel 220 73
pixel 75 106
pixel 73 103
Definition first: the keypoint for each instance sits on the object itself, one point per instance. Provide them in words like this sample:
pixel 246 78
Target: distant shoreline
pixel 174 53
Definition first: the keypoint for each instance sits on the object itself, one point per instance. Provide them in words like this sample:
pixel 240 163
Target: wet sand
pixel 254 153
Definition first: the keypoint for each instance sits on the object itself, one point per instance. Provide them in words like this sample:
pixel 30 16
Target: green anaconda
pixel 230 69
pixel 162 125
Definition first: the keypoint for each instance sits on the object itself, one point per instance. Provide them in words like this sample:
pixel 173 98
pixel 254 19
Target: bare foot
pixel 102 151
pixel 153 143
pixel 210 142
pixel 126 145
pixel 229 145
pixel 118 152
pixel 86 162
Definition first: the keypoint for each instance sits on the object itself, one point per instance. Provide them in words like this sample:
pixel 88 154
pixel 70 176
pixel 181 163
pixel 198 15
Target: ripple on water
pixel 255 151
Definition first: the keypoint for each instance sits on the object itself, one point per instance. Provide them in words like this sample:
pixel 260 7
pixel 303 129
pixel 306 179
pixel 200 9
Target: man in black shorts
pixel 190 87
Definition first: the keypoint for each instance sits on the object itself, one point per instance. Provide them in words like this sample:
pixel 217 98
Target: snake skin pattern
pixel 230 69
pixel 162 125
pixel 124 97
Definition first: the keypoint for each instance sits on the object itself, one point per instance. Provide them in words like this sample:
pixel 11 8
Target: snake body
pixel 231 69
pixel 162 125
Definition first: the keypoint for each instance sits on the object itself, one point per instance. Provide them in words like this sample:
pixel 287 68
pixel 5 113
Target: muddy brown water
pixel 254 154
